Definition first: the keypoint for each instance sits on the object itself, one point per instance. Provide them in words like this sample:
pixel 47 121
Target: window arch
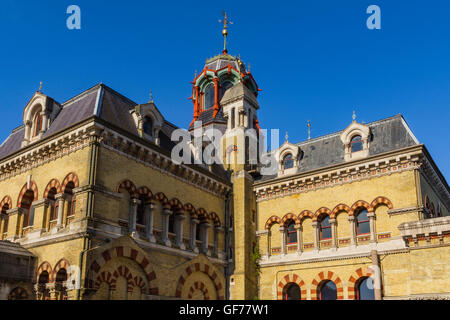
pixel 18 293
pixel 327 290
pixel 364 289
pixel 71 199
pixel 5 218
pixel 292 292
pixel 291 234
pixel 209 96
pixel 356 143
pixel 26 204
pixel 53 204
pixel 288 161
pixel 43 280
pixel 325 228
pixel 362 222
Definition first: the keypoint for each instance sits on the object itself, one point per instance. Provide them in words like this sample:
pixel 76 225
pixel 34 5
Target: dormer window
pixel 37 123
pixel 288 162
pixel 356 143
pixel 209 96
pixel 147 126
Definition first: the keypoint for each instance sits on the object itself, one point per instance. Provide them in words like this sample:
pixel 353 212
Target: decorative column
pixel 283 240
pixel 371 216
pixel 216 96
pixel 60 198
pixel 351 219
pixel 179 218
pixel 148 212
pixel 315 225
pixel 376 275
pixel 216 240
pixel 299 229
pixel 165 224
pixel 333 233
pixel 269 245
pixel 192 244
pixel 132 218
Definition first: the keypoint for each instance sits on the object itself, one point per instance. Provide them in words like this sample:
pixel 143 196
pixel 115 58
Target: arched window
pixel 362 223
pixel 364 289
pixel 325 228
pixel 43 292
pixel 18 293
pixel 172 223
pixel 225 86
pixel 147 126
pixel 53 204
pixel 26 204
pixel 60 286
pixel 356 144
pixel 327 291
pixel 209 96
pixel 197 232
pixel 140 214
pixel 291 292
pixel 37 124
pixel 5 218
pixel 288 162
pixel 291 233
pixel 71 199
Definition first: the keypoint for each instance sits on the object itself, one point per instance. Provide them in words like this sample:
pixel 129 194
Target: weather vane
pixel 225 22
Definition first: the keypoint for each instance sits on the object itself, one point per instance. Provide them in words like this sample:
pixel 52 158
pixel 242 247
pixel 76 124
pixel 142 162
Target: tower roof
pixel 222 61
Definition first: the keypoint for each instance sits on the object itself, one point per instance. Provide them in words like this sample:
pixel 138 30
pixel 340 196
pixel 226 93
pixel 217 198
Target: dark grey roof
pixel 14 248
pixel 13 142
pixel 207 117
pixel 386 135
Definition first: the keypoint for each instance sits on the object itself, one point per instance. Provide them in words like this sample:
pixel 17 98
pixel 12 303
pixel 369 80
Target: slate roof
pixel 386 135
pixel 106 104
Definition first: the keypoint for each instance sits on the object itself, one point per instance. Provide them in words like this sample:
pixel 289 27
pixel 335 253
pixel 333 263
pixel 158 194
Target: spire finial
pixel 248 67
pixel 225 22
pixel 40 86
pixel 309 129
pixel 354 116
pixel 151 97
pixel 286 136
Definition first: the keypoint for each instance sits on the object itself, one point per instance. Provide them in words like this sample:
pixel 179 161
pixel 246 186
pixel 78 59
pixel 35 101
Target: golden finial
pixel 40 86
pixel 354 116
pixel 225 22
pixel 309 129
pixel 286 136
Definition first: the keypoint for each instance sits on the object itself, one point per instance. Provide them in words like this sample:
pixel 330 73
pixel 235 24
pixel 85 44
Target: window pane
pixel 288 162
pixel 357 144
pixel 209 97
pixel 365 290
pixel 147 126
pixel 328 291
pixel 292 237
pixel 364 227
pixel 362 215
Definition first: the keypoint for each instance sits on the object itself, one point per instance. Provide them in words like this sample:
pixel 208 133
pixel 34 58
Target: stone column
pixel 371 216
pixel 148 212
pixel 132 217
pixel 333 233
pixel 283 239
pixel 315 225
pixel 269 245
pixel 299 229
pixel 376 275
pixel 351 219
pixel 179 218
pixel 165 226
pixel 192 244
pixel 60 198
pixel 217 230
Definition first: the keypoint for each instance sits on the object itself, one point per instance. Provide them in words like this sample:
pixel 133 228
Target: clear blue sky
pixel 313 59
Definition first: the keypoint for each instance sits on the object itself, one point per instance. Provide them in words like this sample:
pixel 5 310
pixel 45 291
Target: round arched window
pixel 288 162
pixel 325 228
pixel 356 144
pixel 291 233
pixel 37 124
pixel 362 222
pixel 147 126
pixel 327 291
pixel 209 96
pixel 364 289
pixel 291 292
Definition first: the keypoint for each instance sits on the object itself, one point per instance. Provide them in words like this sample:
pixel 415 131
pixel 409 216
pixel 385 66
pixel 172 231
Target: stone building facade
pixel 89 187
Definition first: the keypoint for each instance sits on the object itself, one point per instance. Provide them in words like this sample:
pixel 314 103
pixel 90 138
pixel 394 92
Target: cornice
pixel 149 157
pixel 354 171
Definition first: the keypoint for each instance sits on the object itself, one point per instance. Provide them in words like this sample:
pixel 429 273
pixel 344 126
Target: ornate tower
pixel 224 95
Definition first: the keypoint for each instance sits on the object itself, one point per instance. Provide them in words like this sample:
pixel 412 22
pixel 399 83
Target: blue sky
pixel 314 60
